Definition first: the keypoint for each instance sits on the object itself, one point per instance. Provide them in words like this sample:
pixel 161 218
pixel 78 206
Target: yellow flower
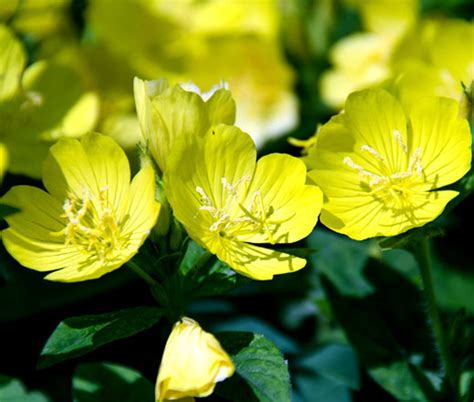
pixel 260 80
pixel 38 105
pixel 40 18
pixel 3 160
pixel 387 15
pixel 364 60
pixel 227 201
pixel 193 362
pixel 434 59
pixel 92 221
pixel 166 114
pixel 360 61
pixel 12 63
pixel 378 169
pixel 181 39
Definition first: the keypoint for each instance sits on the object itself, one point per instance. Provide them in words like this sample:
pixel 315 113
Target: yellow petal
pixel 30 237
pixel 193 361
pixel 221 107
pixel 110 167
pixel 294 206
pixel 167 116
pixel 12 63
pixel 451 48
pixel 142 210
pixel 3 160
pixel 443 138
pixel 94 163
pixel 375 118
pixel 257 262
pixel 202 164
pixel 53 111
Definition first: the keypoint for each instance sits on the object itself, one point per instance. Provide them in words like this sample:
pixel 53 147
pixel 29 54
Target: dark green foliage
pixel 77 336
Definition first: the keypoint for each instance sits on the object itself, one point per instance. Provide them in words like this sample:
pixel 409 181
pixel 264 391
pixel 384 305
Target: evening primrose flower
pixel 434 59
pixel 38 105
pixel 181 39
pixel 91 221
pixel 364 59
pixel 193 362
pixel 166 114
pixel 381 172
pixel 360 61
pixel 228 202
pixel 260 79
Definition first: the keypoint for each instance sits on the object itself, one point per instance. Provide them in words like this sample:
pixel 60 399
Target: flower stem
pixel 422 254
pixel 142 273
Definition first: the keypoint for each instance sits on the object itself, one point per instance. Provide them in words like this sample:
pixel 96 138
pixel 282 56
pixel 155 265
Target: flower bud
pixel 193 362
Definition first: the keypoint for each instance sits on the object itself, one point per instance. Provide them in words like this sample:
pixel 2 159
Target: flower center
pixel 92 224
pixel 394 189
pixel 240 214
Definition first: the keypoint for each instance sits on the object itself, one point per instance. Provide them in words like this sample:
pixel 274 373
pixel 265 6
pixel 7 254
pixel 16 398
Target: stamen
pixel 230 221
pixel 373 152
pixel 398 137
pixel 204 198
pixel 90 225
pixel 415 162
pixel 349 162
pixel 394 189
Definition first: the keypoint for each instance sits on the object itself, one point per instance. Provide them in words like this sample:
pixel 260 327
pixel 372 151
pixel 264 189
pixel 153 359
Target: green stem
pixel 142 273
pixel 422 254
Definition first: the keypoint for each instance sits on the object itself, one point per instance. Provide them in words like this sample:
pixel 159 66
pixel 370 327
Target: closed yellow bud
pixel 193 362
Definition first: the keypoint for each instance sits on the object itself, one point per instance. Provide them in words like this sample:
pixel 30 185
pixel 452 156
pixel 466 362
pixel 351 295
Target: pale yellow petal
pixel 167 116
pixel 221 107
pixel 193 362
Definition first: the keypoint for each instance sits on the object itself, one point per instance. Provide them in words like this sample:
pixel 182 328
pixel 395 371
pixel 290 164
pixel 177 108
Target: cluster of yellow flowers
pixel 411 56
pixel 375 169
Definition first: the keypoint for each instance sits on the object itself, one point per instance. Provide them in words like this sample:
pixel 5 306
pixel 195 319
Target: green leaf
pixel 261 372
pixel 12 390
pixel 335 362
pixel 326 374
pixel 76 336
pixel 6 210
pixel 466 386
pixel 408 239
pixel 380 327
pixel 191 256
pixel 204 275
pixel 460 336
pixel 399 380
pixel 454 288
pixel 342 261
pixel 106 382
pixel 314 387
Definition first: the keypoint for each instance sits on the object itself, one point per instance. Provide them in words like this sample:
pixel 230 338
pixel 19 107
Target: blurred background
pixel 355 313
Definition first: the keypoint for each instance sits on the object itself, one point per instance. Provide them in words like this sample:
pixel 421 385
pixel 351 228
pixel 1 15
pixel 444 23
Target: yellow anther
pixel 393 188
pixel 92 225
pixel 398 137
pixel 234 218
